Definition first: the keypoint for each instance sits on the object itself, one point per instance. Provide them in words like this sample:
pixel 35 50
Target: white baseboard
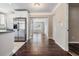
pixel 11 54
pixel 60 46
pixel 73 42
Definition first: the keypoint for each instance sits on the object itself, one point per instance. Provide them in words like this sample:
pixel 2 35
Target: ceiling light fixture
pixel 37 4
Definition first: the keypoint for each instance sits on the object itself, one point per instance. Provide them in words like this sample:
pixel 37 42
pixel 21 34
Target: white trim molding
pixel 73 42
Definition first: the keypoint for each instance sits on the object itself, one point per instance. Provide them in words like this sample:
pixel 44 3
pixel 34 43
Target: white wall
pixel 5 7
pixel 60 26
pixel 9 19
pixel 21 14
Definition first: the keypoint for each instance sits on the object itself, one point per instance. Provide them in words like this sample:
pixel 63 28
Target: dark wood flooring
pixel 41 47
pixel 74 47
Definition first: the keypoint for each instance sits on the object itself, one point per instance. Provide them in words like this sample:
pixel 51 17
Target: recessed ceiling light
pixel 36 4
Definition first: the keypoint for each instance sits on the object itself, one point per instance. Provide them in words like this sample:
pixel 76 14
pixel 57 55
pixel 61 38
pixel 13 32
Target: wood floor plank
pixel 41 47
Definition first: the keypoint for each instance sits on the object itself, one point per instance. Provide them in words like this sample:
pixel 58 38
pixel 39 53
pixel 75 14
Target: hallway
pixel 40 46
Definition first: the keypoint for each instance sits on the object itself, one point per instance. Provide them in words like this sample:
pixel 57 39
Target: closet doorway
pixel 74 28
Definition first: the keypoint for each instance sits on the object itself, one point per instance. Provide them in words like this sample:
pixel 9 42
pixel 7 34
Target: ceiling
pixel 43 8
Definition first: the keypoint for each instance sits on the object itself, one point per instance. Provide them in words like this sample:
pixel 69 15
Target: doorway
pixel 20 29
pixel 39 26
pixel 74 28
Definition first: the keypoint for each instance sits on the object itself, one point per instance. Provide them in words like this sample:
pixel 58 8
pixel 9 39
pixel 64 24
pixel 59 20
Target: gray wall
pixel 73 22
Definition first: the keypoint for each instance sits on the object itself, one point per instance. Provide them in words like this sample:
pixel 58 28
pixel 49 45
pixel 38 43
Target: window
pixel 38 26
pixel 2 21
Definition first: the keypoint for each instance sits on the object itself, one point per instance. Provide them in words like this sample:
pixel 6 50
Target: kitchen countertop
pixel 6 31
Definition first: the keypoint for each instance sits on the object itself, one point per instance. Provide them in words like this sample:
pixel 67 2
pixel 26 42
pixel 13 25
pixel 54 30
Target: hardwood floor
pixel 74 47
pixel 39 46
